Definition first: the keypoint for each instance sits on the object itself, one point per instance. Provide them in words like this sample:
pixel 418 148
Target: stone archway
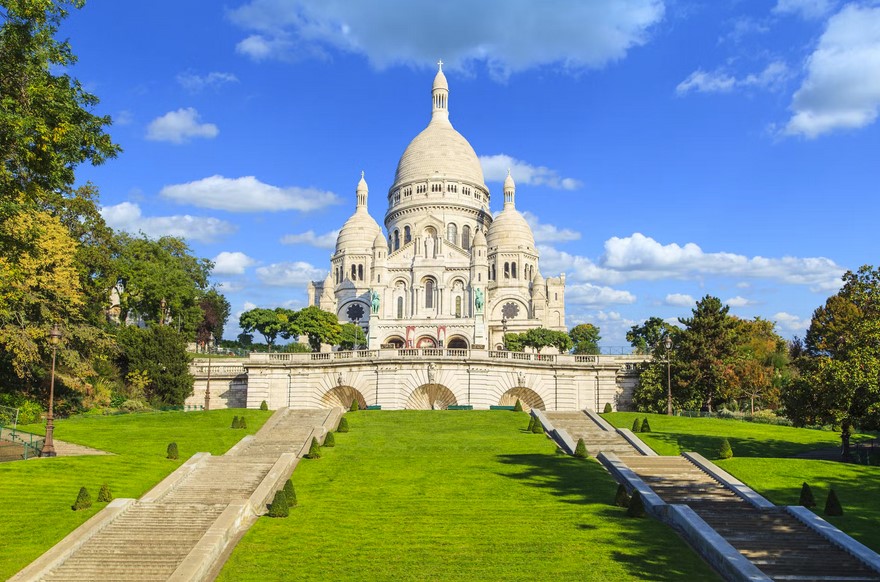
pixel 426 341
pixel 431 397
pixel 526 396
pixel 395 341
pixel 457 343
pixel 343 396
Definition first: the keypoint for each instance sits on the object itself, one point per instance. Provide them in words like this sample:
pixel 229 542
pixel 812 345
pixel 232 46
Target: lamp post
pixel 504 332
pixel 49 443
pixel 667 343
pixel 208 381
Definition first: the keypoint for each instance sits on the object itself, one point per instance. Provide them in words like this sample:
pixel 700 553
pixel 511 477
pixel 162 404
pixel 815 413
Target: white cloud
pixel 791 323
pixel 246 194
pixel 128 217
pixel 321 241
pixel 194 82
pixel 772 77
pixel 124 117
pixel 679 300
pixel 842 85
pixel 495 170
pixel 180 126
pixel 292 274
pixel 738 301
pixel 807 9
pixel 548 232
pixel 232 263
pixel 569 33
pixel 596 296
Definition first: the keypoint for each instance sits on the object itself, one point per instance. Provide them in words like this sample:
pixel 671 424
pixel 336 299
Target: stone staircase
pixel 776 542
pixel 150 538
pixel 597 439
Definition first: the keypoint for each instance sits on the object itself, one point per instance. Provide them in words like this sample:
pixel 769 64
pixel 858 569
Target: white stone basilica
pixel 447 274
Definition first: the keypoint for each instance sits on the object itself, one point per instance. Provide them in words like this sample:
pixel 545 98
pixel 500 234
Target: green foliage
pixel 704 350
pixel 354 406
pixel 351 336
pixel 314 450
pixel 343 425
pixel 518 406
pixel 585 338
pixel 236 423
pixel 268 322
pixel 160 352
pixel 171 452
pixel 637 426
pixel 215 311
pixel 648 337
pixel 607 408
pixel 645 426
pixel 531 425
pixel 329 440
pixel 290 493
pixel 832 504
pixel 537 427
pixel 104 495
pixel 321 327
pixel 580 451
pixel 279 506
pixel 264 405
pixel 83 500
pixel 724 451
pixel 242 422
pixel 636 507
pixel 537 338
pixel 806 498
pixel 621 498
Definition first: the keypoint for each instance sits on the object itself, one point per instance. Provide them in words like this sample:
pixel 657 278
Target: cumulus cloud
pixel 290 274
pixel 639 257
pixel 739 301
pixel 194 82
pixel 321 241
pixel 128 217
pixel 571 34
pixel 232 263
pixel 597 296
pixel 246 194
pixel 842 85
pixel 718 81
pixel 791 323
pixel 548 232
pixel 679 300
pixel 495 170
pixel 807 9
pixel 180 126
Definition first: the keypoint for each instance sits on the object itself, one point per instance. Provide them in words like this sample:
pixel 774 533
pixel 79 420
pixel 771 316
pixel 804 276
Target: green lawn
pixel 36 495
pixel 456 495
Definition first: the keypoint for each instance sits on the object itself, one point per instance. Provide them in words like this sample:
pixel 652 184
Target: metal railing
pixel 32 444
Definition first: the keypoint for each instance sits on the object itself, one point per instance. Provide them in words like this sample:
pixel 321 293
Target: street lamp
pixel 504 331
pixel 667 343
pixel 208 381
pixel 49 443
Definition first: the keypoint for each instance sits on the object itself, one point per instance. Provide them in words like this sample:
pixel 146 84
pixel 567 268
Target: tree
pixel 513 342
pixel 585 338
pixel 321 327
pixel 352 336
pixel 215 312
pixel 649 336
pixel 161 352
pixel 705 348
pixel 264 321
pixel 760 366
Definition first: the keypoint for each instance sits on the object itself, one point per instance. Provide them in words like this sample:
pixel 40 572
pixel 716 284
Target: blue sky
pixel 663 150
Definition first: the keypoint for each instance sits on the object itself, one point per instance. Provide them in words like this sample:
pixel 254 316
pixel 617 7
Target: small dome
pixel 379 241
pixel 440 81
pixel 510 231
pixel 479 238
pixel 358 233
pixel 508 181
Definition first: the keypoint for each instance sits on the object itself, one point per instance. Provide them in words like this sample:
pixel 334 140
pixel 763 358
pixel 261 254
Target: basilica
pixel 445 273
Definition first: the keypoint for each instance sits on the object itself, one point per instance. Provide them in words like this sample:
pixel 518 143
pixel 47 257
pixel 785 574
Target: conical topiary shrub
pixel 242 422
pixel 636 425
pixel 329 440
pixel 171 452
pixel 832 504
pixel 645 426
pixel 83 500
pixel 537 427
pixel 290 493
pixel 580 451
pixel 343 425
pixel 518 406
pixel 235 422
pixel 621 498
pixel 279 506
pixel 531 423
pixel 807 499
pixel 354 406
pixel 636 507
pixel 607 408
pixel 725 452
pixel 314 450
pixel 264 405
pixel 104 494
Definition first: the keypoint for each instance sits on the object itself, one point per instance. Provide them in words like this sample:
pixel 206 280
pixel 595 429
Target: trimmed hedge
pixel 806 498
pixel 343 425
pixel 621 498
pixel 104 495
pixel 580 451
pixel 264 405
pixel 314 450
pixel 329 440
pixel 279 506
pixel 537 427
pixel 354 406
pixel 607 408
pixel 290 493
pixel 518 406
pixel 83 500
pixel 171 452
pixel 636 507
pixel 725 452
pixel 832 504
pixel 645 426
pixel 637 426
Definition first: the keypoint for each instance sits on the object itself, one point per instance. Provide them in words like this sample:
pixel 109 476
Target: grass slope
pixel 455 495
pixel 36 495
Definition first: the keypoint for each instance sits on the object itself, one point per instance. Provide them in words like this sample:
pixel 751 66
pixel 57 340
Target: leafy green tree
pixel 215 312
pixel 352 336
pixel 585 338
pixel 760 365
pixel 705 348
pixel 539 338
pixel 649 336
pixel 160 351
pixel 264 321
pixel 514 342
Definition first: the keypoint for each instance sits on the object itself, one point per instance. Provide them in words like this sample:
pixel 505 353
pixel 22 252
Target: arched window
pixel 452 233
pixel 396 239
pixel 507 270
pixel 353 273
pixel 513 270
pixel 407 235
pixel 429 294
pixel 400 308
pixel 360 272
pixel 458 306
pixel 493 274
pixel 465 237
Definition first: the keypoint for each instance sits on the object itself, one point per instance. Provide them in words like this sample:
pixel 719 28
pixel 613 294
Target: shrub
pixel 645 426
pixel 343 425
pixel 134 406
pixel 621 498
pixel 807 499
pixel 518 406
pixel 171 452
pixel 104 494
pixel 580 451
pixel 329 440
pixel 314 450
pixel 607 408
pixel 531 423
pixel 537 427
pixel 832 504
pixel 242 422
pixel 636 507
pixel 264 405
pixel 636 425
pixel 725 452
pixel 83 500
pixel 290 493
pixel 354 406
pixel 279 506
pixel 235 422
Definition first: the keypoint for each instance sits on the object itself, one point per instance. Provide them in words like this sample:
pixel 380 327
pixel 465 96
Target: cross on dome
pixel 440 64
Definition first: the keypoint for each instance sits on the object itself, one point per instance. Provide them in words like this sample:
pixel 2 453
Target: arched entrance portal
pixel 526 396
pixel 396 341
pixel 431 397
pixel 426 342
pixel 343 396
pixel 457 343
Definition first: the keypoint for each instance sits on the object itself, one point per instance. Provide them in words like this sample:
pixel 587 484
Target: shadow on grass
pixel 564 476
pixel 709 445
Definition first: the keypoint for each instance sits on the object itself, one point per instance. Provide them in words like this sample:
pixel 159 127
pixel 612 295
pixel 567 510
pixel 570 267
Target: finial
pixel 362 174
pixel 440 64
pixel 508 171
